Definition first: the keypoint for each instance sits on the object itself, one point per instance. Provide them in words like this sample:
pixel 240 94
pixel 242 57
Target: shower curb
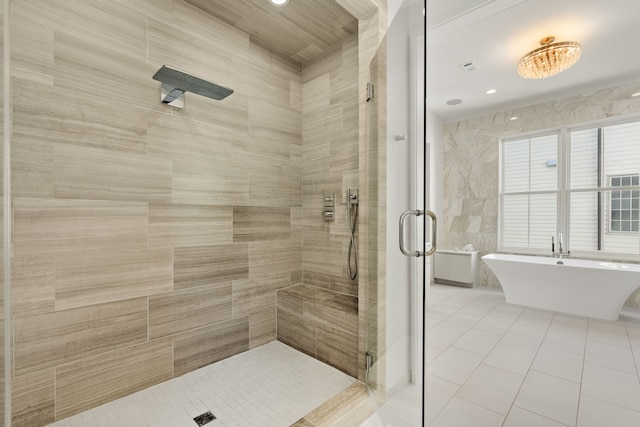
pixel 351 407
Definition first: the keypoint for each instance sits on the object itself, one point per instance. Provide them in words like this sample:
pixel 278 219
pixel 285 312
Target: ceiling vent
pixel 468 66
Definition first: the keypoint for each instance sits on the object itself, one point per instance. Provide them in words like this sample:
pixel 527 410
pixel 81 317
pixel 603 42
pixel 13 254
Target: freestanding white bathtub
pixel 587 288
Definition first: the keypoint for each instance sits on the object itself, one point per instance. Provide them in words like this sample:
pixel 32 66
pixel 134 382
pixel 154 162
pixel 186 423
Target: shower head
pixel 175 83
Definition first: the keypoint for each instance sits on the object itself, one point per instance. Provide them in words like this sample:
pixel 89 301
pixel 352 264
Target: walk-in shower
pixel 150 242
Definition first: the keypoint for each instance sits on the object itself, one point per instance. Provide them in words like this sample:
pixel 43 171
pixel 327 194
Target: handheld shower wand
pixel 352 216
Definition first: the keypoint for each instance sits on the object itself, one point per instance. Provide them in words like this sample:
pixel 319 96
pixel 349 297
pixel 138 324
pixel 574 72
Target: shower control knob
pixel 328 210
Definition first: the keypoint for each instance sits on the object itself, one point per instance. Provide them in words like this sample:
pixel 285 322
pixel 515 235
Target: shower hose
pixel 352 211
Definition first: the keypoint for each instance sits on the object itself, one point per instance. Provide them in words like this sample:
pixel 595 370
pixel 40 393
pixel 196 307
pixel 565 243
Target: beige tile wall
pixel 178 225
pixel 321 323
pixel 320 318
pixel 150 241
pixel 330 162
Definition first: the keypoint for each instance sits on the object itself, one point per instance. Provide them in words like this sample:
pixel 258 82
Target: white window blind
pixel 596 207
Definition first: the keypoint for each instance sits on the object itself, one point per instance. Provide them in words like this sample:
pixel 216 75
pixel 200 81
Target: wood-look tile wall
pixel 330 162
pixel 149 241
pixel 320 318
pixel 320 323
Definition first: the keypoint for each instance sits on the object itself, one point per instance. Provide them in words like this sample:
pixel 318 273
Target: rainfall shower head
pixel 175 83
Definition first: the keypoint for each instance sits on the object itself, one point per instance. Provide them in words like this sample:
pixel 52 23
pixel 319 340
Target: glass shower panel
pixel 396 176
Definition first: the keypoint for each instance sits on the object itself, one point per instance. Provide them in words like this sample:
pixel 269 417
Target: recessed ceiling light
pixel 279 2
pixel 454 101
pixel 513 118
pixel 491 91
pixel 635 94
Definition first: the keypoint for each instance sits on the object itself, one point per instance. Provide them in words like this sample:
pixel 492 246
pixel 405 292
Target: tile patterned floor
pixel 489 364
pixel 493 364
pixel 272 385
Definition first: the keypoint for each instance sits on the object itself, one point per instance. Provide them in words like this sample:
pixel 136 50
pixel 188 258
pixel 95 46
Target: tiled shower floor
pixel 272 385
pixel 493 364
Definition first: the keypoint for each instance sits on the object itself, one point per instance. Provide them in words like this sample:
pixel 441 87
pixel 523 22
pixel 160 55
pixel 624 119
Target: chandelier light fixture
pixel 549 59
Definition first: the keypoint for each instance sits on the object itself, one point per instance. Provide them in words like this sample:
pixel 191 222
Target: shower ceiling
pixel 299 30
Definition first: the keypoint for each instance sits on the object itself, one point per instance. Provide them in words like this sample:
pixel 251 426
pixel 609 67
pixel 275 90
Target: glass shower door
pixel 397 160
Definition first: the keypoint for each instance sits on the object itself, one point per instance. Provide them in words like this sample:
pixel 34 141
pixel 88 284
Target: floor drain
pixel 205 418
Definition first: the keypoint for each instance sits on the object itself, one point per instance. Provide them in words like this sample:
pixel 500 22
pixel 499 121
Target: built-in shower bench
pixel 321 323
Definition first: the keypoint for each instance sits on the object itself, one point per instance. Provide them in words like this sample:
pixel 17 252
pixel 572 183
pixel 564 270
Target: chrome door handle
pixel 404 216
pixel 434 232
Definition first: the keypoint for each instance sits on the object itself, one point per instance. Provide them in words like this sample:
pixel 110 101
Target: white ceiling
pixel 494 34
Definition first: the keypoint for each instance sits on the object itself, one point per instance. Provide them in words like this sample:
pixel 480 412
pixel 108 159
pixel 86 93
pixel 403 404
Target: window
pixel 624 205
pixel 582 182
pixel 530 191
